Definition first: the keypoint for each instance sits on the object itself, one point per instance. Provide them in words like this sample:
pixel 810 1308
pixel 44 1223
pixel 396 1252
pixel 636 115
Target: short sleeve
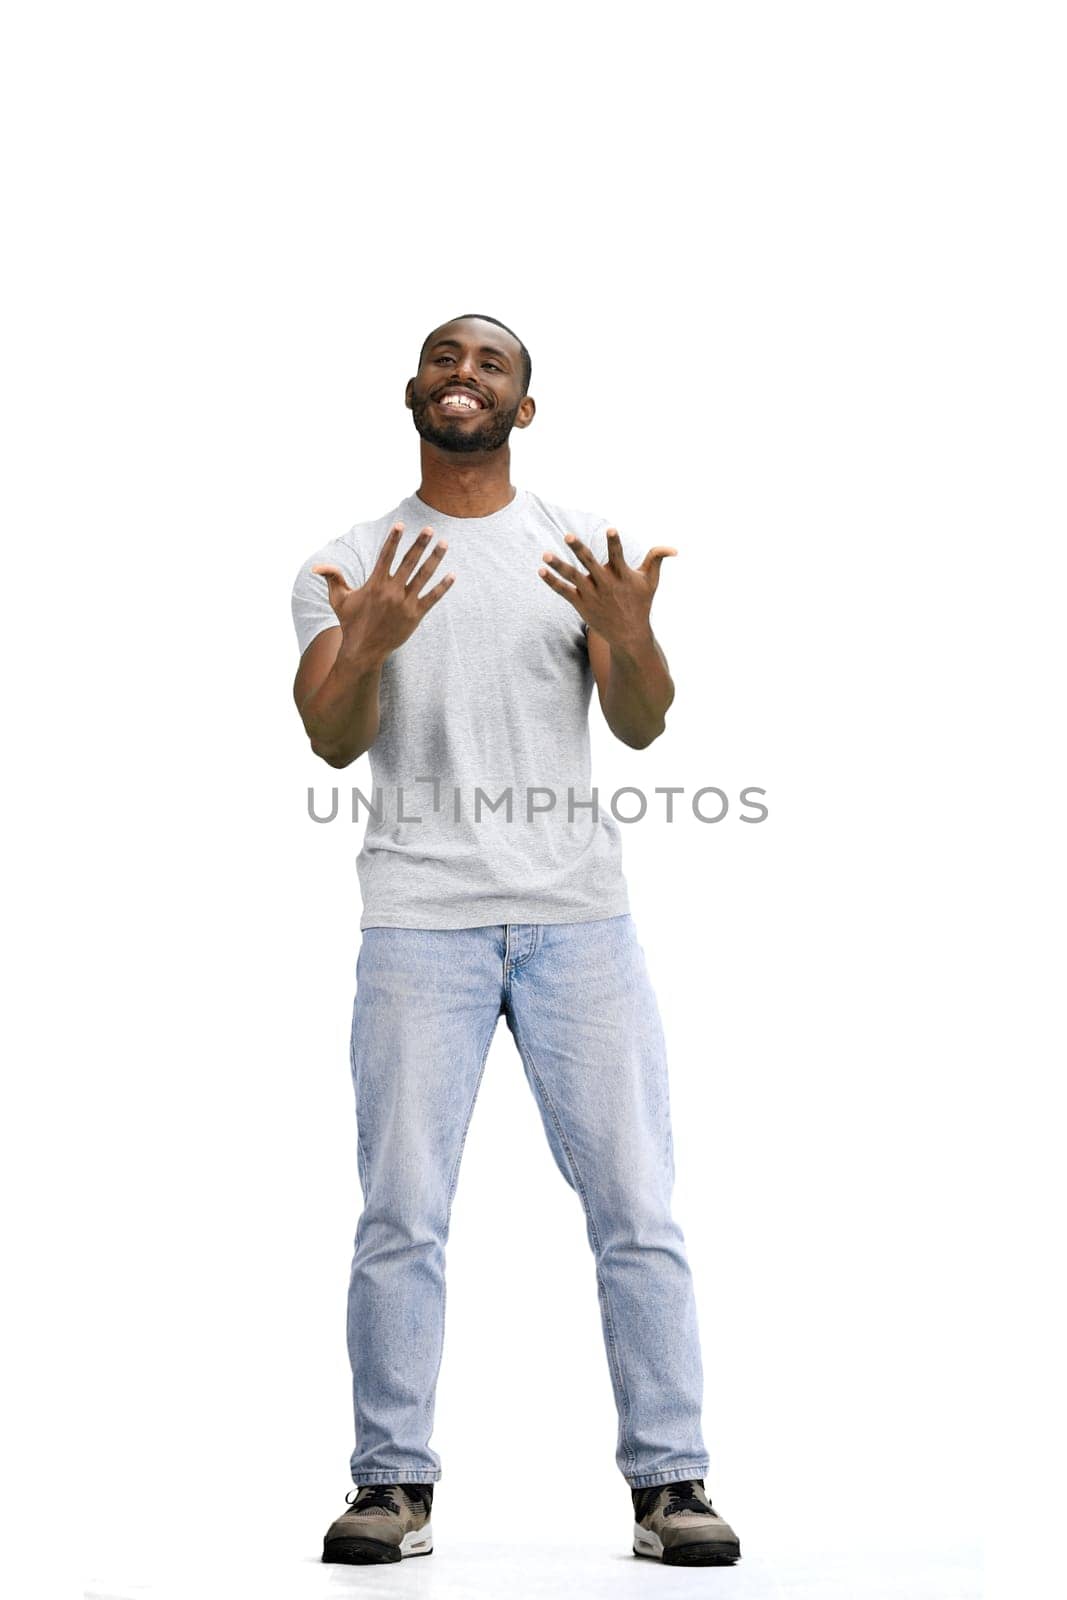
pixel 312 611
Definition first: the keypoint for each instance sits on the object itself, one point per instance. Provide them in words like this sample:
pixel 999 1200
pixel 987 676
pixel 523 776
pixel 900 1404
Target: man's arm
pixel 336 693
pixel 340 672
pixel 614 599
pixel 634 685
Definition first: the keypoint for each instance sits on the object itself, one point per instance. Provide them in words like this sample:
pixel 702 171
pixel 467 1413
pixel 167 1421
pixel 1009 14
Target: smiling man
pixel 492 885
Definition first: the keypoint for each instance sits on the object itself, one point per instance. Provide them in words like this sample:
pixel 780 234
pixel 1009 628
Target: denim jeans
pixel 580 1005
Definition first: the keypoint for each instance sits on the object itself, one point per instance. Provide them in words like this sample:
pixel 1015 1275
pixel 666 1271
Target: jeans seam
pixel 360 1152
pixel 397 1475
pixel 451 1192
pixel 696 1469
pixel 453 1181
pixel 612 1340
pixel 516 965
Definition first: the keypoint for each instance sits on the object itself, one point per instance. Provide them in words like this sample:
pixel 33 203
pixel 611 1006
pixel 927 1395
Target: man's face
pixel 467 395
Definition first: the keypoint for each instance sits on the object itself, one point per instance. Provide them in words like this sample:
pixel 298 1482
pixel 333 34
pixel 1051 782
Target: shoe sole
pixel 697 1553
pixel 359 1551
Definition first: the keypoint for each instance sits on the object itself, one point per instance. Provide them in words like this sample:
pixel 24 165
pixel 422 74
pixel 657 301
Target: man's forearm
pixel 638 691
pixel 341 717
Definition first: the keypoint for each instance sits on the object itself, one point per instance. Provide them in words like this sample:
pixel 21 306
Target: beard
pixel 489 434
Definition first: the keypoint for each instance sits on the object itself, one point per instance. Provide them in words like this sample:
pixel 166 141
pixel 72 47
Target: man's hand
pixel 613 598
pixel 339 677
pixel 632 676
pixel 377 617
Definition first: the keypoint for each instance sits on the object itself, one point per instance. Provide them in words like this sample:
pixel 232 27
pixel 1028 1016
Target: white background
pixel 791 277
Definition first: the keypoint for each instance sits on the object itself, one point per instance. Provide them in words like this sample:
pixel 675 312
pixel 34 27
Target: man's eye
pixel 439 359
pixel 491 365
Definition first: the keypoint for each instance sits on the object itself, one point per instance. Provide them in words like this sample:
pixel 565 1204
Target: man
pixel 492 886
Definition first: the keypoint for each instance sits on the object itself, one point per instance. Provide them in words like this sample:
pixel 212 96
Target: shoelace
pixel 383 1496
pixel 375 1495
pixel 681 1497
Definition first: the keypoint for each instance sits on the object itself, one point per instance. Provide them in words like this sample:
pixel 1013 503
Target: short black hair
pixel 480 316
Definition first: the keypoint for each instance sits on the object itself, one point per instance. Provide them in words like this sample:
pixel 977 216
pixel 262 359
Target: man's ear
pixel 409 394
pixel 526 412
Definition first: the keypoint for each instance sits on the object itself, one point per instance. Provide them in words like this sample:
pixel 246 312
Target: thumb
pixel 335 582
pixel 650 566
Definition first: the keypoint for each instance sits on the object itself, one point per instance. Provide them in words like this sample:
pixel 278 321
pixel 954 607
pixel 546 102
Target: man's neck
pixel 460 487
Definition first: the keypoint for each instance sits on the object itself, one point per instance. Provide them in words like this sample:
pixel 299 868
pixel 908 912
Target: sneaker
pixel 384 1522
pixel 677 1524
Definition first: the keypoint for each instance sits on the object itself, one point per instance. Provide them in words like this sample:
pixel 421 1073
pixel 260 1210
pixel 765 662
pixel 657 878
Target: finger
pixel 616 559
pixel 650 566
pixel 439 589
pixel 388 551
pixel 657 554
pixel 585 555
pixel 413 554
pixel 561 588
pixel 429 566
pixel 563 568
pixel 336 583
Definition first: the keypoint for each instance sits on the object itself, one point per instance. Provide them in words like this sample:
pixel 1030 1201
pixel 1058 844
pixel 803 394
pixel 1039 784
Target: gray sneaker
pixel 677 1524
pixel 384 1522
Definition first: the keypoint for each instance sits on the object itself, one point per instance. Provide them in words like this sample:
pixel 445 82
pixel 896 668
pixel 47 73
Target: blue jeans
pixel 580 1005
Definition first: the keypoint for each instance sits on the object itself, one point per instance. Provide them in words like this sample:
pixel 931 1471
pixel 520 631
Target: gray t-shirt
pixel 490 693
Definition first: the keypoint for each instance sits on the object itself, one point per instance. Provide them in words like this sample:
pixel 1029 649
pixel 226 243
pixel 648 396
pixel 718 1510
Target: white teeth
pixel 466 401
